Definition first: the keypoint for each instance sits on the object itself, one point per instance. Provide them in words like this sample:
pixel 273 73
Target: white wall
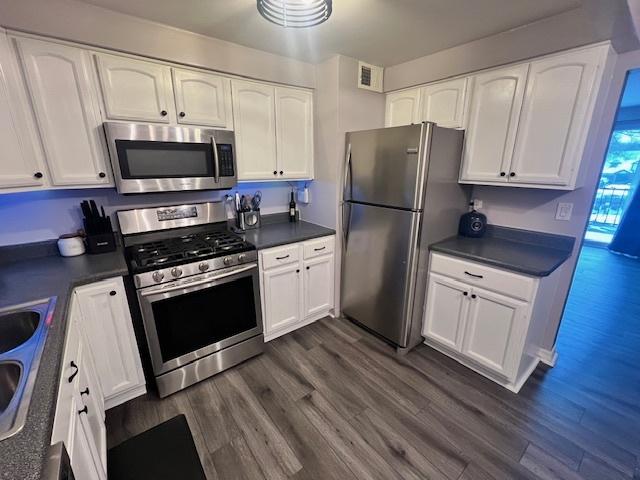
pixel 340 107
pixel 35 216
pixel 85 23
pixel 595 21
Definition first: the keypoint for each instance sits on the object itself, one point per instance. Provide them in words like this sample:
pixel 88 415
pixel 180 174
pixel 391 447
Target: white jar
pixel 71 245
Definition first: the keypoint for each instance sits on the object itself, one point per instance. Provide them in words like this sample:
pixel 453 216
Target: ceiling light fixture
pixel 295 13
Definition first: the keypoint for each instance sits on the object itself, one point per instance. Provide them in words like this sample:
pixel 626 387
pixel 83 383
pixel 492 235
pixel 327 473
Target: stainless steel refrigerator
pixel 401 194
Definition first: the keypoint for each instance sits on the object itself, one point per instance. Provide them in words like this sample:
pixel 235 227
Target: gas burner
pixel 199 252
pixel 185 247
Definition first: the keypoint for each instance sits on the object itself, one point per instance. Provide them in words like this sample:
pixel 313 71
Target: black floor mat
pixel 165 452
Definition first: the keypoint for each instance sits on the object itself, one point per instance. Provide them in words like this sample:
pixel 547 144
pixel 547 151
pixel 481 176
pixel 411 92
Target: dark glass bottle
pixel 292 209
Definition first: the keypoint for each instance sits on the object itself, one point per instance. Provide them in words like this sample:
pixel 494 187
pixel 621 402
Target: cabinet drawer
pixel 275 257
pixel 474 273
pixel 315 248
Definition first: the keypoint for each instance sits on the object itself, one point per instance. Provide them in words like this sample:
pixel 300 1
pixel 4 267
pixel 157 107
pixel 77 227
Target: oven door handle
pixel 155 291
pixel 216 161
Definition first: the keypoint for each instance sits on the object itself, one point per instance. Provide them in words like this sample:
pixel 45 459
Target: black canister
pixel 472 224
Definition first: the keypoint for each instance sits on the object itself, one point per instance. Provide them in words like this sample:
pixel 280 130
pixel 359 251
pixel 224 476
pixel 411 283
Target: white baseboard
pixel 548 357
pixel 270 336
pixel 123 397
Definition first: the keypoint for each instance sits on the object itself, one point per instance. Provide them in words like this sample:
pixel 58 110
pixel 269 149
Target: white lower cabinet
pixel 297 284
pixel 487 318
pixel 446 313
pixel 282 299
pixel 108 330
pixel 79 418
pixel 494 325
pixel 318 281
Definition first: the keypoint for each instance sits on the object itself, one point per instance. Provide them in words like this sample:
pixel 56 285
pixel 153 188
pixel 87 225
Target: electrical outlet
pixel 564 211
pixel 477 204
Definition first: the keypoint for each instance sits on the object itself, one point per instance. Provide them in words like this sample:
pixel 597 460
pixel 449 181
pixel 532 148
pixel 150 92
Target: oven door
pixel 197 316
pixel 152 158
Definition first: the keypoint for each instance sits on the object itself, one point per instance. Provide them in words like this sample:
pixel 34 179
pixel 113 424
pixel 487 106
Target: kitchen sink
pixel 16 328
pixel 23 332
pixel 10 374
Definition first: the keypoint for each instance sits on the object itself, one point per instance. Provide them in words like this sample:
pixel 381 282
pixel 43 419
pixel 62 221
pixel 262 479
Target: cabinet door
pixel 255 129
pixel 496 100
pixel 294 133
pixel 555 118
pixel 61 84
pixel 318 285
pixel 93 418
pixel 82 452
pixel 446 311
pixel 202 99
pixel 494 331
pixel 20 162
pixel 108 331
pixel 135 90
pixel 402 108
pixel 282 297
pixel 444 103
pixel 66 409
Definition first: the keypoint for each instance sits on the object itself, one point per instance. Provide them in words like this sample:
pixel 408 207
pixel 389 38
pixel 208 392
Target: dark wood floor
pixel 332 402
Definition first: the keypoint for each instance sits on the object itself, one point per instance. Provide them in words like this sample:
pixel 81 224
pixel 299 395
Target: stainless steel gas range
pixel 198 289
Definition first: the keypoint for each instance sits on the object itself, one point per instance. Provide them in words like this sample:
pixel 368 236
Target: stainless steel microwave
pixel 156 158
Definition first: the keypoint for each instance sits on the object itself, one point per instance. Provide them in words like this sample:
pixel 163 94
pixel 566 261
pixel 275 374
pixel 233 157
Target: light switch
pixel 564 211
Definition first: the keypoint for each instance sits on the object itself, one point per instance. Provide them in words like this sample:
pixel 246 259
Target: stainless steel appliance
pixel 401 193
pixel 198 289
pixel 57 465
pixel 156 158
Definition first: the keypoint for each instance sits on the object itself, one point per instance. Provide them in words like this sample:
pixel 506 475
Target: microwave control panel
pixel 225 160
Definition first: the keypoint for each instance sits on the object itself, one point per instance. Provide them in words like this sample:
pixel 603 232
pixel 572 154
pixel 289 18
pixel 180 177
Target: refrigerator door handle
pixel 345 224
pixel 347 175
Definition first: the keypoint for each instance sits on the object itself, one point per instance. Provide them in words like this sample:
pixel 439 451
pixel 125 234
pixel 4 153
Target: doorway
pixel 620 173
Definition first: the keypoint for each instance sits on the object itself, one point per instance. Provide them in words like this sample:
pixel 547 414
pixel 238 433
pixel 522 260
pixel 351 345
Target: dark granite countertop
pixel 523 251
pixel 31 278
pixel 279 231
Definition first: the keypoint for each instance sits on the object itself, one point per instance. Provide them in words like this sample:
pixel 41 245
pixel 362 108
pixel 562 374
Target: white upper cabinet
pixel 20 161
pixel 202 99
pixel 294 133
pixel 496 100
pixel 402 108
pixel 444 103
pixel 61 84
pixel 135 90
pixel 255 129
pixel 555 118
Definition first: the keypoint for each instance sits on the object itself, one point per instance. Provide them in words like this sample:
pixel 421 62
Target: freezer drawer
pixel 378 273
pixel 387 166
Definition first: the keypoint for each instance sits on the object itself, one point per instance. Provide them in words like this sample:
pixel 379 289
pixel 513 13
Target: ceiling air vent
pixel 370 77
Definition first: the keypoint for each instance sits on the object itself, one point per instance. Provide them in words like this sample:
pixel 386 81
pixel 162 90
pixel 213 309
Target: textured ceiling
pixel 382 32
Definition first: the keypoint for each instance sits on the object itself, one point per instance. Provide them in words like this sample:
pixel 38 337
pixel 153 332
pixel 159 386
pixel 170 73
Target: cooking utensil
pixel 256 200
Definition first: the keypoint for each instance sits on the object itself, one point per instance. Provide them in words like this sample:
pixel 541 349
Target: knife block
pixel 101 242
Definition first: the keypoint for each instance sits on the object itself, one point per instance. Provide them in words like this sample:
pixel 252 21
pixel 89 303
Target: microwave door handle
pixel 216 162
pixel 146 293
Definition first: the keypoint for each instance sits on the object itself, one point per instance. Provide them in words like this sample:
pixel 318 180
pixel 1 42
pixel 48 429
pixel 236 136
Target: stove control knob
pixel 203 267
pixel 157 276
pixel 242 257
pixel 176 271
pixel 227 260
